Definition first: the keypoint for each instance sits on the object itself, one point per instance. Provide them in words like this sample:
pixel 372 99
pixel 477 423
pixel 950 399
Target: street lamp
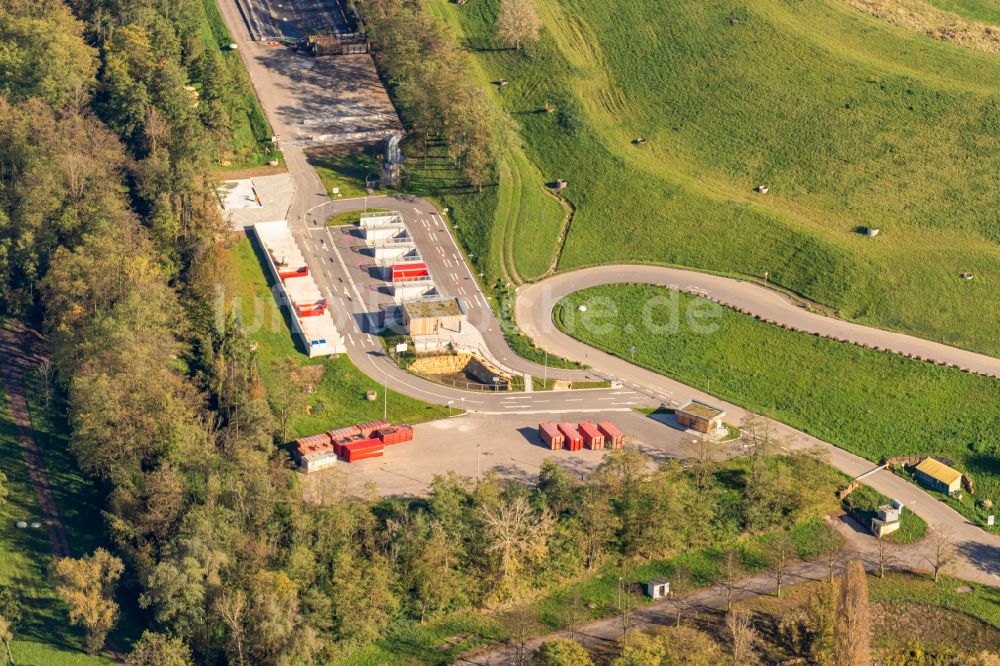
pixel 545 376
pixel 385 395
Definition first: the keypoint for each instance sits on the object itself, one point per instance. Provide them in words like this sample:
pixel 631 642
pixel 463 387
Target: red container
pixel 368 428
pixel 314 309
pixel 395 435
pixel 592 437
pixel 293 272
pixel 361 449
pixel 550 435
pixel 574 442
pixel 406 272
pixel 613 438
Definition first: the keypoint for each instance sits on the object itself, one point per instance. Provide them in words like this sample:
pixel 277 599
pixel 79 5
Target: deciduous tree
pixel 87 586
pixel 561 652
pixel 942 553
pixel 154 649
pixel 518 24
pixel 852 631
pixel 742 636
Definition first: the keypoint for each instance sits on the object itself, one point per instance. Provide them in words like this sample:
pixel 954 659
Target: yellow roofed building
pixel 937 476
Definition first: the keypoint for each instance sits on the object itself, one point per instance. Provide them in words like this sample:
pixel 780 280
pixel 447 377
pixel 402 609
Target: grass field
pixel 44 636
pixel 849 121
pixel 594 596
pixel 338 387
pixel 870 403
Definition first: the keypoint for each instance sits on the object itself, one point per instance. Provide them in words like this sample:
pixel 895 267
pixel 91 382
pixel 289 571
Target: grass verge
pixel 863 505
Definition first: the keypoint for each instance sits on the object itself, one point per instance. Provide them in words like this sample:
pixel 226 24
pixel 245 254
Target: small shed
pixel 657 589
pixel 880 528
pixel 700 416
pixel 430 317
pixel 937 476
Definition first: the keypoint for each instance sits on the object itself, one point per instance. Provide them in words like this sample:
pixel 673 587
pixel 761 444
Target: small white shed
pixel 657 589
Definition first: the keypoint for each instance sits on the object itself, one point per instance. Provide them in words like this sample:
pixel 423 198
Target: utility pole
pixel 385 395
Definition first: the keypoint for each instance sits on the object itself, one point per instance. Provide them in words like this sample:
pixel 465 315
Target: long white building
pixel 311 320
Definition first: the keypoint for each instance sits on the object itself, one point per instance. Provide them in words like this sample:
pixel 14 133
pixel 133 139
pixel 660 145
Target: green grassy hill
pixel 849 121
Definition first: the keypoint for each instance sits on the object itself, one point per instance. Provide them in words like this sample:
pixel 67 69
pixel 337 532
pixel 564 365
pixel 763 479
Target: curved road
pixel 748 297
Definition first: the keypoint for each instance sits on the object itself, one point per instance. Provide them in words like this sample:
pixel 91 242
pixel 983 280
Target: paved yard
pixel 507 443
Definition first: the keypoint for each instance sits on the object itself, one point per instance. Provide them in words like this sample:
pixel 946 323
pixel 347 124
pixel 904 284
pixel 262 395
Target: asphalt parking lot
pixel 507 444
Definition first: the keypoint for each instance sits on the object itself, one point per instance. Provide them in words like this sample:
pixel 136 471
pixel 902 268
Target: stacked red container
pixel 574 442
pixel 312 444
pixel 395 435
pixel 592 437
pixel 550 435
pixel 613 437
pixel 368 428
pixel 341 433
pixel 362 449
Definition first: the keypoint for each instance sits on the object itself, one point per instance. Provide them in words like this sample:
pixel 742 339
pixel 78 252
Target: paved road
pixel 748 297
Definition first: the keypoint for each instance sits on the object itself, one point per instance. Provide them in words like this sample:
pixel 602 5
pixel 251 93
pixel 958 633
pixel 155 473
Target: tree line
pixel 432 86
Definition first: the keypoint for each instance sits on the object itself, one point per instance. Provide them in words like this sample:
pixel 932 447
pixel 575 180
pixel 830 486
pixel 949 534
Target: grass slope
pixel 987 11
pixel 870 403
pixel 849 121
pixel 44 636
pixel 528 219
pixel 339 397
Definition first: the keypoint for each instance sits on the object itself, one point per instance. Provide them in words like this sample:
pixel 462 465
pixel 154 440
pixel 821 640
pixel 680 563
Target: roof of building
pixel 939 471
pixel 437 307
pixel 701 410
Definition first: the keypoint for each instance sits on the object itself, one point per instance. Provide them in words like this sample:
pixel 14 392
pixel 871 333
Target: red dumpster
pixel 361 449
pixel 613 438
pixel 592 437
pixel 408 272
pixel 285 273
pixel 574 442
pixel 550 435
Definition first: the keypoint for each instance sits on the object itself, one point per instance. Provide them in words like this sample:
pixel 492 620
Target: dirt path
pixel 604 633
pixel 19 354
